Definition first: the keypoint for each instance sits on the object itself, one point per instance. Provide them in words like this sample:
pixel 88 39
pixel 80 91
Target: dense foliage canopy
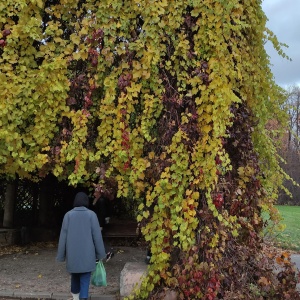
pixel 165 102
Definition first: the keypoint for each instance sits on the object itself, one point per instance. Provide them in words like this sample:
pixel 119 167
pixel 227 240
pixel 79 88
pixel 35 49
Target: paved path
pixel 45 296
pixel 35 274
pixel 17 295
pixel 296 259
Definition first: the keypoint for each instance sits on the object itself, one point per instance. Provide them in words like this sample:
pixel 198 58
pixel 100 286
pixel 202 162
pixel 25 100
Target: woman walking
pixel 80 244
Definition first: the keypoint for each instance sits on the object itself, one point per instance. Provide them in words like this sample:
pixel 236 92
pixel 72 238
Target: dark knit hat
pixel 81 199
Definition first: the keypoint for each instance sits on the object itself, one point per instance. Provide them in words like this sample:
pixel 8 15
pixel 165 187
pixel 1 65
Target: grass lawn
pixel 289 238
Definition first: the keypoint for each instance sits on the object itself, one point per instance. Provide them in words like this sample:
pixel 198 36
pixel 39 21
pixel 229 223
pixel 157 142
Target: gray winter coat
pixel 80 241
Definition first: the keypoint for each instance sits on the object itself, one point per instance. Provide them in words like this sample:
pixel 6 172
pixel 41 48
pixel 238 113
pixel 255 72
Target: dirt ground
pixel 33 268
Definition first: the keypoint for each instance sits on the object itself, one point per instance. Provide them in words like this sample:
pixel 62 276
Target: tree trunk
pixel 43 207
pixel 9 207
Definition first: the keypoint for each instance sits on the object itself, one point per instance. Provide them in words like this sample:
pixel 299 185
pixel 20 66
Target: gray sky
pixel 284 21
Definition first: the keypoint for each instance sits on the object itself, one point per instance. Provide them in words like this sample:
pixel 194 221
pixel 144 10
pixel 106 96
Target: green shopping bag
pixel 99 275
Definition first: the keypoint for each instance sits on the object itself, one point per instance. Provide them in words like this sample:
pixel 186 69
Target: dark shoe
pixel 147 260
pixel 109 255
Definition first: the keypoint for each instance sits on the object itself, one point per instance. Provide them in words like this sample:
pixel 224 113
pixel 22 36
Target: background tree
pixel 167 101
pixel 290 147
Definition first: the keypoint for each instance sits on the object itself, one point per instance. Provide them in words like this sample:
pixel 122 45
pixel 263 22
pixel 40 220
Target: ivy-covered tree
pixel 165 101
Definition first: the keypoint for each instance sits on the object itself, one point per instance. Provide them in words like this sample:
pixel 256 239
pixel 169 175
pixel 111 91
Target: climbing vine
pixel 165 102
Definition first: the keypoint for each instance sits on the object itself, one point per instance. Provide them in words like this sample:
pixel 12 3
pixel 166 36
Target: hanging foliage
pixel 168 101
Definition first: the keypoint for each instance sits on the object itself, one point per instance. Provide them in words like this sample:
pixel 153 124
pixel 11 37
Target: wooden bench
pixel 3 237
pixel 126 229
pixel 9 237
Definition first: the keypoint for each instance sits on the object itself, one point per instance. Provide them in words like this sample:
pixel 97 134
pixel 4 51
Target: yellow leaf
pixel 142 176
pixel 47 148
pixel 151 155
pixel 206 128
pixel 235 233
pixel 40 3
pixel 196 195
pixel 76 55
pixel 140 185
pixel 188 192
pixel 146 74
pixel 75 38
pixel 84 31
pixel 190 201
pixel 146 214
pixel 163 155
pixel 192 213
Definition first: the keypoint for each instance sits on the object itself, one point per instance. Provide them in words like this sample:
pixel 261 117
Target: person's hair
pixel 81 199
